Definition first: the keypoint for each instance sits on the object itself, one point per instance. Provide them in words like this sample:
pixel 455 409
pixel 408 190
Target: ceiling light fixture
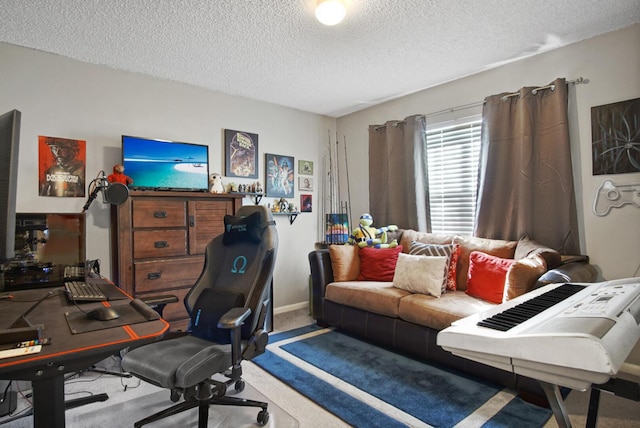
pixel 330 12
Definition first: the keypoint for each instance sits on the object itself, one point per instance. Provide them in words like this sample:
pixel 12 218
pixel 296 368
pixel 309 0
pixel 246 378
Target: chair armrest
pixel 321 276
pixel 234 318
pixel 160 300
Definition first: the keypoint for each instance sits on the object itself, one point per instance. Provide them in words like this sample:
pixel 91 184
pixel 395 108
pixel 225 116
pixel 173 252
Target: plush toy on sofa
pixel 118 176
pixel 368 236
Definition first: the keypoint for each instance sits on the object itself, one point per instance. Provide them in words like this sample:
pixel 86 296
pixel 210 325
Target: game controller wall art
pixel 611 195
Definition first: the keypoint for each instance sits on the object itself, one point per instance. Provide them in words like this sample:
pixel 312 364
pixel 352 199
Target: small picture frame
pixel 305 167
pixel 279 176
pixel 240 154
pixel 305 184
pixel 306 203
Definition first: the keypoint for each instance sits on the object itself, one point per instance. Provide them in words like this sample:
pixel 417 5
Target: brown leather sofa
pixel 409 322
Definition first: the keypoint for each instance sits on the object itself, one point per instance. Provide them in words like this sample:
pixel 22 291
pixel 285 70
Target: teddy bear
pixel 368 236
pixel 118 176
pixel 215 183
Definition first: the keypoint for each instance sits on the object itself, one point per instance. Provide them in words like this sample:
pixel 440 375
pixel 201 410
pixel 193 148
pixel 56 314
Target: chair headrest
pixel 247 225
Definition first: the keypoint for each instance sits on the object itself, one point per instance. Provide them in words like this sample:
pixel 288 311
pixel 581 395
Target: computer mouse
pixel 103 314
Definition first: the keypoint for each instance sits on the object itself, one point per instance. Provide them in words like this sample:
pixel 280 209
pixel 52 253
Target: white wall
pixel 66 98
pixel 610 62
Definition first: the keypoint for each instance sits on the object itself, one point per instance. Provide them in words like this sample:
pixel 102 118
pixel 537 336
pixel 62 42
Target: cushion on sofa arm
pixel 523 275
pixel 345 262
pixel 527 247
pixel 494 247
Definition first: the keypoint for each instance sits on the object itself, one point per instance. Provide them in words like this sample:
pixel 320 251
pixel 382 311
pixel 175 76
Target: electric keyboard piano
pixel 571 335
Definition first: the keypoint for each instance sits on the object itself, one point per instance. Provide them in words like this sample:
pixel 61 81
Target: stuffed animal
pixel 118 176
pixel 215 183
pixel 368 236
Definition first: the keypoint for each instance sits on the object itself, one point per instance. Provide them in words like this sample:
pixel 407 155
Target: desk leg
pixel 48 402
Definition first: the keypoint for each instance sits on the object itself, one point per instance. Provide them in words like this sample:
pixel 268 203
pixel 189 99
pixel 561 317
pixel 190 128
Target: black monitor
pixel 9 144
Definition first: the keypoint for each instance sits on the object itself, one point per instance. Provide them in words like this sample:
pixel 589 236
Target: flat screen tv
pixel 9 142
pixel 165 165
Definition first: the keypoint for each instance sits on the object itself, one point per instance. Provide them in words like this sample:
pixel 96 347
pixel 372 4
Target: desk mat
pixel 132 313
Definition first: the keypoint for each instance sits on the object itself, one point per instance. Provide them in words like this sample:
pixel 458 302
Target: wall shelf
pixel 292 215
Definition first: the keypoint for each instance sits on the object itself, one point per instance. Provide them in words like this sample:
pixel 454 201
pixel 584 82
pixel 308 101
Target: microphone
pixel 92 197
pixel 112 193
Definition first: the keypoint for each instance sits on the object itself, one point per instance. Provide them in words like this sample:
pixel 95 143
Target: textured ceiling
pixel 276 51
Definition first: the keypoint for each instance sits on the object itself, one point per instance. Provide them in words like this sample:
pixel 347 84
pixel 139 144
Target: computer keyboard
pixel 79 291
pixel 74 272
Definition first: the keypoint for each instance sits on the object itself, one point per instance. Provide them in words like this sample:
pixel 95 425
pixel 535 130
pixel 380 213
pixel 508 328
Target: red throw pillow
pixel 486 276
pixel 378 264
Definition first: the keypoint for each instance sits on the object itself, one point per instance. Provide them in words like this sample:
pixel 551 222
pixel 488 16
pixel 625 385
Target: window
pixel 453 153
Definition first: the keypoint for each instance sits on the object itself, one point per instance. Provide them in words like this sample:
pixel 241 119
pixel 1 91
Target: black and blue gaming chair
pixel 227 305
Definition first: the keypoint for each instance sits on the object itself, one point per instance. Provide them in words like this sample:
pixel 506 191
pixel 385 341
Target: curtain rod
pixel 479 103
pixel 541 88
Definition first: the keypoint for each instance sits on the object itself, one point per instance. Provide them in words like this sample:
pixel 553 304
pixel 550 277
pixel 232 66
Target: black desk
pixel 68 352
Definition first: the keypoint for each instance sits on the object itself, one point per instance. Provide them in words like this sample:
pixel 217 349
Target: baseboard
pixel 289 308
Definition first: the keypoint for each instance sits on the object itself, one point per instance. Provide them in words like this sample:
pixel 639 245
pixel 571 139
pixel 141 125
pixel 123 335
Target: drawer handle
pixel 161 244
pixel 160 214
pixel 154 275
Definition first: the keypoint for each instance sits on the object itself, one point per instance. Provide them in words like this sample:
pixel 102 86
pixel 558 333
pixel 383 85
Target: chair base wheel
pixel 263 417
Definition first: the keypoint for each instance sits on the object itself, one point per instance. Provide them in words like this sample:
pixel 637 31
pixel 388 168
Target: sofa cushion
pixel 345 262
pixel 487 275
pixel 409 235
pixel 440 313
pixel 378 264
pixel 450 251
pixel 527 247
pixel 522 276
pixel 373 296
pixel 495 247
pixel 420 274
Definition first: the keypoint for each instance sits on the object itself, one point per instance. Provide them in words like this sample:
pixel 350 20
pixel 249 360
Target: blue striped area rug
pixel 368 386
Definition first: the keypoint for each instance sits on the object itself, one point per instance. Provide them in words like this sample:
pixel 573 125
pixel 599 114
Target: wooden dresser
pixel 159 239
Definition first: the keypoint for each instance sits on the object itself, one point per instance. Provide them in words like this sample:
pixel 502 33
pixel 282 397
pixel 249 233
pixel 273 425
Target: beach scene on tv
pixel 156 164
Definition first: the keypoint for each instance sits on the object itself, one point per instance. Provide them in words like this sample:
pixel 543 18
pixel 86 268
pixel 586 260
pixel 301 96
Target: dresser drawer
pixel 159 213
pixel 159 275
pixel 159 243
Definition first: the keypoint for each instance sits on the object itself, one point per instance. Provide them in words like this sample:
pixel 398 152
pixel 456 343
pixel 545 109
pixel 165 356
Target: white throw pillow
pixel 420 274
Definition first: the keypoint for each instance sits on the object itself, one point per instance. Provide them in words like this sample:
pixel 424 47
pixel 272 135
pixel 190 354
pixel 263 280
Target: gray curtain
pixel 526 180
pixel 398 190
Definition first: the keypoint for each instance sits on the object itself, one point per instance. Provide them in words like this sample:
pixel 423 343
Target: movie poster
pixel 241 154
pixel 61 167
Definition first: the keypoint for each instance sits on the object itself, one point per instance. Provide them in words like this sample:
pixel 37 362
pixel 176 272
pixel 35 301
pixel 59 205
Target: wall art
pixel 306 203
pixel 279 176
pixel 305 167
pixel 240 154
pixel 61 169
pixel 615 136
pixel 305 184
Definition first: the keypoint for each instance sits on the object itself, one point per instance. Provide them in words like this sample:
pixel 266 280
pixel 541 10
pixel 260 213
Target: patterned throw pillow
pixel 487 275
pixel 450 251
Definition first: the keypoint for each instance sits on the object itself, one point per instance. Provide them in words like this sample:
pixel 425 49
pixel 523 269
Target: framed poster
pixel 305 167
pixel 61 171
pixel 305 184
pixel 240 154
pixel 306 203
pixel 279 176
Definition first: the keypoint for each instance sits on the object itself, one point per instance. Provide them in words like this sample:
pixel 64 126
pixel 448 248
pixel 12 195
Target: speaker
pixel 116 193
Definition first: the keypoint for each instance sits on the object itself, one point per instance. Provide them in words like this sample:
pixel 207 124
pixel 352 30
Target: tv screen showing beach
pixel 158 164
